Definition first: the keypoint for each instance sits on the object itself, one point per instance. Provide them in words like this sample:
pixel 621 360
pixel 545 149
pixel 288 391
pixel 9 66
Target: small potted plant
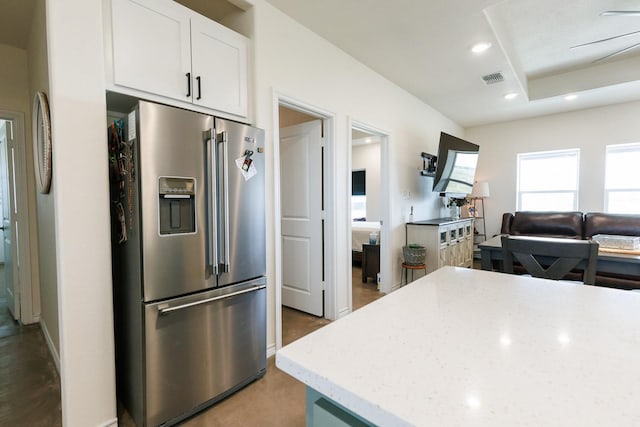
pixel 456 203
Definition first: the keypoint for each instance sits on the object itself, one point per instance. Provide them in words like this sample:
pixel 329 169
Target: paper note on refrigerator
pixel 131 126
pixel 250 172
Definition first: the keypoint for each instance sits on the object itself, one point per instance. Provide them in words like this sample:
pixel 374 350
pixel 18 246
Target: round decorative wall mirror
pixel 41 135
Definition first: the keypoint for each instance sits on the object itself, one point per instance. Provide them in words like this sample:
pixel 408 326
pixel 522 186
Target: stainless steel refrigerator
pixel 189 280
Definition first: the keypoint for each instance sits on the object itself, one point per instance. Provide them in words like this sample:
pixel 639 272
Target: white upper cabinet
pixel 219 63
pixel 165 49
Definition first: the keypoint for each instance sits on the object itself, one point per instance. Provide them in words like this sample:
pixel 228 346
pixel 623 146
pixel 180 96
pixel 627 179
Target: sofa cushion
pixel 603 223
pixel 547 224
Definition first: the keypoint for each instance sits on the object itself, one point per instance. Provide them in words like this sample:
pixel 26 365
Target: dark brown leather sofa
pixel 577 225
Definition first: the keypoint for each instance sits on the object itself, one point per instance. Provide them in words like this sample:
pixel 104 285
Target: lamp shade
pixel 480 189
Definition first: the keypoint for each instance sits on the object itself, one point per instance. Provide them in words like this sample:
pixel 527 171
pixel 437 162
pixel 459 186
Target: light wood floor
pixel 30 386
pixel 29 382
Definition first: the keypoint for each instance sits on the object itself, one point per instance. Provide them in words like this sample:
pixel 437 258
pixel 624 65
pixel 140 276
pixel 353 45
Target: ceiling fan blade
pixel 620 13
pixel 606 40
pixel 626 49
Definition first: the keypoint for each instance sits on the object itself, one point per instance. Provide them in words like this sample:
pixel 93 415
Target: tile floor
pixel 30 386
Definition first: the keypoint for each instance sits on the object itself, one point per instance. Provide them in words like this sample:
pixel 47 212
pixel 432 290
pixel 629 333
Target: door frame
pixel 386 270
pixel 328 127
pixel 29 285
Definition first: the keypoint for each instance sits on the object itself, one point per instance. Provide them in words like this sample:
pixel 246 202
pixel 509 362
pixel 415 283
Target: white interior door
pixel 301 210
pixel 7 178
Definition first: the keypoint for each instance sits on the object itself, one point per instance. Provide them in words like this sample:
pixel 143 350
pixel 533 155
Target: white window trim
pixel 548 154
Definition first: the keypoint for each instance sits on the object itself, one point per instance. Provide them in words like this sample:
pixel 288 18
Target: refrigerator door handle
pixel 176 196
pixel 222 138
pixel 166 309
pixel 212 246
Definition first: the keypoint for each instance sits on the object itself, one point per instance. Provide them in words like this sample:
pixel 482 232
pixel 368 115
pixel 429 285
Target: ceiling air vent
pixel 493 78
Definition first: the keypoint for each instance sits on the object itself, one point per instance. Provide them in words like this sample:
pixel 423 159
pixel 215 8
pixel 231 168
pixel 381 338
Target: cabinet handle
pixel 199 88
pixel 188 85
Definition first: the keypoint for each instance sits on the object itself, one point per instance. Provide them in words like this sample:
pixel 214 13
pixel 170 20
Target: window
pixel 548 181
pixel 621 183
pixel 358 195
pixel 359 208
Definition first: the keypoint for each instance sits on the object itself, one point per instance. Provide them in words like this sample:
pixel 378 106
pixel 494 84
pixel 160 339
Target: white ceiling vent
pixel 493 78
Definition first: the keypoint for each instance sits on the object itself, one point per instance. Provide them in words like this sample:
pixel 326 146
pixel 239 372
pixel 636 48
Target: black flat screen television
pixel 359 183
pixel 456 166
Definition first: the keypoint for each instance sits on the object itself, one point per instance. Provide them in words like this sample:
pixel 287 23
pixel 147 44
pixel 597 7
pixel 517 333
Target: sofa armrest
pixel 507 219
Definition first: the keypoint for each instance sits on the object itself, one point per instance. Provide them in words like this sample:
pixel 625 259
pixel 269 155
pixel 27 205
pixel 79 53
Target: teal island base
pixel 324 412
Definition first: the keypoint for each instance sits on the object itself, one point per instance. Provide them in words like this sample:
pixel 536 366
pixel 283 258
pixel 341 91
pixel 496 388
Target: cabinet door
pixel 151 47
pixel 444 256
pixel 219 59
pixel 468 244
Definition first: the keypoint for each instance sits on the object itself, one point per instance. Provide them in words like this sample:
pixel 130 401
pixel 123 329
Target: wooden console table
pixel 448 241
pixel 370 261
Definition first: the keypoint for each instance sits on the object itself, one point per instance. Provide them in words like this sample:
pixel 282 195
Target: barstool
pixel 406 267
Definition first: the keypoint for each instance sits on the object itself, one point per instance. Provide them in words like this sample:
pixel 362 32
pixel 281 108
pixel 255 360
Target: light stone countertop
pixel 468 347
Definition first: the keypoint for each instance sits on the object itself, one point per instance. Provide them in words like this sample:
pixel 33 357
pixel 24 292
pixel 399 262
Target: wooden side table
pixel 370 261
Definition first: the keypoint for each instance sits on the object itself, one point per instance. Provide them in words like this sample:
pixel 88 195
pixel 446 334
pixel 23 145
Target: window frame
pixel 575 152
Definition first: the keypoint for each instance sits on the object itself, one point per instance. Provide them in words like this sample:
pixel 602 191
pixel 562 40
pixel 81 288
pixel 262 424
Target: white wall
pixel 294 61
pixel 43 241
pixel 81 211
pixel 13 79
pixel 367 157
pixel 589 130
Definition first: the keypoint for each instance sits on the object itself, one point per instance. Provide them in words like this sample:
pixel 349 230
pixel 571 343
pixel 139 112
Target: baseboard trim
pixel 52 348
pixel 343 312
pixel 111 423
pixel 271 350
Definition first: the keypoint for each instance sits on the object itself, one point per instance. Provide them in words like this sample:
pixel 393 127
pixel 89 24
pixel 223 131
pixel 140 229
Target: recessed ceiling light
pixel 480 47
pixel 511 96
pixel 571 97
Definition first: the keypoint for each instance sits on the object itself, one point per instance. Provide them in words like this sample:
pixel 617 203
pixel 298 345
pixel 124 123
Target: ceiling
pixel 424 47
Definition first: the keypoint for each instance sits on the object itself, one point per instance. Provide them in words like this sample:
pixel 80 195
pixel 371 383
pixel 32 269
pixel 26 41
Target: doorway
pixel 370 249
pixel 9 298
pixel 328 245
pixel 21 298
pixel 302 233
pixel 366 217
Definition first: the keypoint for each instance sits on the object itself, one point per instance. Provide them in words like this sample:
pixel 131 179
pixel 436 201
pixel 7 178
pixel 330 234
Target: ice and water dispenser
pixel 177 198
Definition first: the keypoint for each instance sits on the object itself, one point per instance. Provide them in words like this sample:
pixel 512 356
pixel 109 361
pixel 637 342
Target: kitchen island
pixel 470 347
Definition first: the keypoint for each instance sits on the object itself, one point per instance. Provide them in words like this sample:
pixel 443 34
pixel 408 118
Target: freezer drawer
pixel 202 347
